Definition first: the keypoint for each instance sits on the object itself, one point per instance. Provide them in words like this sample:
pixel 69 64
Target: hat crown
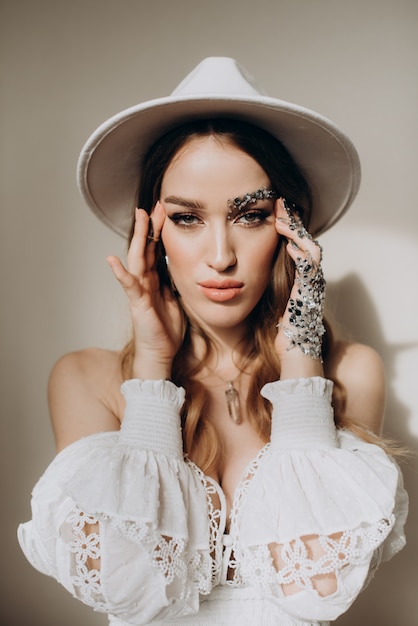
pixel 218 75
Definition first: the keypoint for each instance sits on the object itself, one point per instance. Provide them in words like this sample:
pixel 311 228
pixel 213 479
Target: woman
pixel 221 486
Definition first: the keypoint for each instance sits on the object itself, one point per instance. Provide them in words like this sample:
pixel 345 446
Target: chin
pixel 223 319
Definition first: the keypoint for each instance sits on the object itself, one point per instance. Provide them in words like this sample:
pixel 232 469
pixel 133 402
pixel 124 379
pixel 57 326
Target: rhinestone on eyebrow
pixel 241 202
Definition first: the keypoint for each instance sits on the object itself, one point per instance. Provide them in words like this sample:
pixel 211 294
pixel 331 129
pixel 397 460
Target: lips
pixel 221 290
pixel 221 284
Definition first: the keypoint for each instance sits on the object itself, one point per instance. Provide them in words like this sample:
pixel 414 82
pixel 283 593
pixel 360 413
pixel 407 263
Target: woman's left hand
pixel 299 337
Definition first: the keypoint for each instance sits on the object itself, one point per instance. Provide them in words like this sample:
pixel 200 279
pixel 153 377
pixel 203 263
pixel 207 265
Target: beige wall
pixel 66 66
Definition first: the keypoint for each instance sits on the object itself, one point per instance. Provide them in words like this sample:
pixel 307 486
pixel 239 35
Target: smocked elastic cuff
pixel 302 417
pixel 152 416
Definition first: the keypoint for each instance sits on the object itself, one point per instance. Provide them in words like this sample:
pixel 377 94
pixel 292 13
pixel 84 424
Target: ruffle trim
pixel 312 386
pixel 138 486
pixel 318 492
pixel 158 390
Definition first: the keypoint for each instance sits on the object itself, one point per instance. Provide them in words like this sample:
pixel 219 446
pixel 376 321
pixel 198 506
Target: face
pixel 220 259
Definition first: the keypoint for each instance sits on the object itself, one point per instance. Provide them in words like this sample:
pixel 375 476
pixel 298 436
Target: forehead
pixel 208 161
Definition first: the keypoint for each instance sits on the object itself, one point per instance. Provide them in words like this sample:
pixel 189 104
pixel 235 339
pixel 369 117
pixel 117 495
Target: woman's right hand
pixel 157 320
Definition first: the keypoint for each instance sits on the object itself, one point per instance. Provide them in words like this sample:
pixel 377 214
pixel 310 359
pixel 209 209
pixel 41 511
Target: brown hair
pixel 289 182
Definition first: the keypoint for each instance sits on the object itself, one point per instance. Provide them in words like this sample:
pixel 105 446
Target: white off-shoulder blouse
pixel 136 530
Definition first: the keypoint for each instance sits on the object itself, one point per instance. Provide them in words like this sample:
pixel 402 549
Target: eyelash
pixel 178 217
pixel 261 214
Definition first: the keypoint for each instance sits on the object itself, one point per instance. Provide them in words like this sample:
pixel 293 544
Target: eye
pixel 185 220
pixel 252 218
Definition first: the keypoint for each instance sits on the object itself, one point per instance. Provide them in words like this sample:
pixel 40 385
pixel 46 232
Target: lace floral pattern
pixel 226 561
pixel 256 565
pixel 85 545
pixel 351 548
pixel 303 517
pixel 170 556
pixel 216 523
pixel 166 553
pixel 236 577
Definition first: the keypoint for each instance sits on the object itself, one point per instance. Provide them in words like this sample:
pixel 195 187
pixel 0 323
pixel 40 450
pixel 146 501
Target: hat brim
pixel 109 166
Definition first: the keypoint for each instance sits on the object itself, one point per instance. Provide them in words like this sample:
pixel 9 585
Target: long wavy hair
pixel 199 437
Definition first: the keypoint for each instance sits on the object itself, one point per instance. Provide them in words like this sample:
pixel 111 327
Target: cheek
pixel 180 258
pixel 262 263
pixel 265 253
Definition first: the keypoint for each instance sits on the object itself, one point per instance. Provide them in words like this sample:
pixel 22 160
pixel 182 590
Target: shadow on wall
pixel 393 591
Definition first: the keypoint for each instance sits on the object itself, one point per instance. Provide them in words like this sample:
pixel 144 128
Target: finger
pixel 294 251
pixel 280 212
pixel 302 248
pixel 124 277
pixel 154 234
pixel 289 222
pixel 136 254
pixel 158 216
pixel 289 225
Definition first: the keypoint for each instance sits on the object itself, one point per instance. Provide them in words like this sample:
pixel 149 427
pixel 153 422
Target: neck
pixel 225 365
pixel 228 347
pixel 226 369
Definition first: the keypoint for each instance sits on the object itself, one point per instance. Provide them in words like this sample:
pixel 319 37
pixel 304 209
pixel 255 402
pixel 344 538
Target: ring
pixel 153 238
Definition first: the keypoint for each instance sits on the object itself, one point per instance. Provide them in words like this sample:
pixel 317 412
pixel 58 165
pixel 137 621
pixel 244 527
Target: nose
pixel 220 249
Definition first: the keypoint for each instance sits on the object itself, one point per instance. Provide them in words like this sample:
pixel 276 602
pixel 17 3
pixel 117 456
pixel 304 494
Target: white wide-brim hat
pixel 109 166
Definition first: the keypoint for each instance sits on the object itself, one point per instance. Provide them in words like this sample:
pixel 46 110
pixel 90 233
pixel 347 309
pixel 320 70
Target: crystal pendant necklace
pixel 232 398
pixel 232 402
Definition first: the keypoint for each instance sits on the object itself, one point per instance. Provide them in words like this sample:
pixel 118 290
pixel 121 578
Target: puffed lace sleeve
pixel 120 519
pixel 323 509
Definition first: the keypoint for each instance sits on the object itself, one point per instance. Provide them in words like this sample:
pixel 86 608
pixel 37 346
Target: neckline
pixel 240 492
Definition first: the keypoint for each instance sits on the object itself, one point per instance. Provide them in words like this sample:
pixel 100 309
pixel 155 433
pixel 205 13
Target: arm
pixel 80 399
pixel 78 392
pixel 157 321
pixel 334 503
pixel 111 514
pixel 361 372
pixel 358 367
pixel 325 506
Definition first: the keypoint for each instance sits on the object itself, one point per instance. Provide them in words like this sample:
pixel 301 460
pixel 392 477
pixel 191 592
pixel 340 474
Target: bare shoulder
pixel 360 370
pixel 83 394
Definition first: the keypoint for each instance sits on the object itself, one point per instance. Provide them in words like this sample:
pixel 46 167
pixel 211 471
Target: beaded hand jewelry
pixel 306 310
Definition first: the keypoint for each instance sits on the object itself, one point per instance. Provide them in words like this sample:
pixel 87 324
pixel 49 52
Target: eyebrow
pixel 190 204
pixel 253 197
